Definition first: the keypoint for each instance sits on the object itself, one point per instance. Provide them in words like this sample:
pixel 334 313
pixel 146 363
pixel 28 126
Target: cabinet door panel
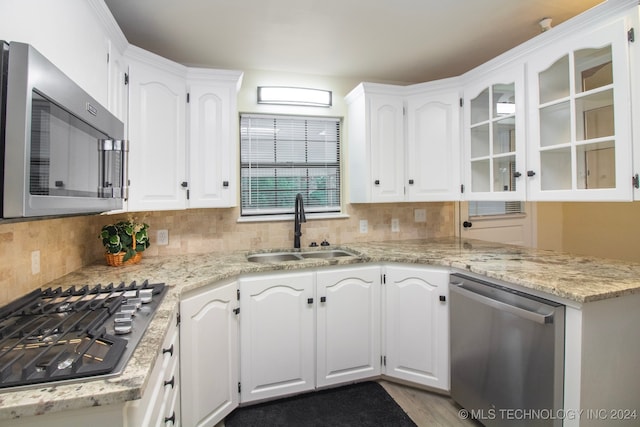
pixel 433 147
pixel 579 118
pixel 387 148
pixel 209 355
pixel 213 159
pixel 277 335
pixel 494 135
pixel 348 319
pixel 156 139
pixel 417 325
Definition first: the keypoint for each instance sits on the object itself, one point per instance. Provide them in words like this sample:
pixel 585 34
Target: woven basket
pixel 115 260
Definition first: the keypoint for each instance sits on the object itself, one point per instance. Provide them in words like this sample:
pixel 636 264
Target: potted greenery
pixel 124 242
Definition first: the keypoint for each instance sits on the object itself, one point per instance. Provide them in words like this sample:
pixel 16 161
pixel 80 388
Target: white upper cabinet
pixel 376 144
pixel 183 135
pixel 433 143
pixel 403 143
pixel 494 135
pixel 213 138
pixel 580 143
pixel 157 135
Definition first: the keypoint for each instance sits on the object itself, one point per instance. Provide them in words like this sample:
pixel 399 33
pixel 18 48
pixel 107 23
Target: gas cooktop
pixel 54 335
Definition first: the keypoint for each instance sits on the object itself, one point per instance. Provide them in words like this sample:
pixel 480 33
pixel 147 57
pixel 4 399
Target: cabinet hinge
pixel 188 97
pixel 635 180
pixel 631 36
pixel 461 188
pixel 238 294
pixel 461 102
pixel 383 360
pixel 404 111
pixel 178 319
pixel 107 57
pixel 384 279
pixel 126 79
pixel 236 311
pixel 188 194
pixel 239 388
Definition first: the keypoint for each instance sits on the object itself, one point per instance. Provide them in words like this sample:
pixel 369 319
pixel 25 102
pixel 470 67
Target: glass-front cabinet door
pixel 494 136
pixel 579 115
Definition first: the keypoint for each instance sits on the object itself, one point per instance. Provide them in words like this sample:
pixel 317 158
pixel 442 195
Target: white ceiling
pixel 371 40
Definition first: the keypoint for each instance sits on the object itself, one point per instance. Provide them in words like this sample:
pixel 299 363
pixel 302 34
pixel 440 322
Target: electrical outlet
pixel 35 262
pixel 395 225
pixel 364 226
pixel 162 238
pixel 420 215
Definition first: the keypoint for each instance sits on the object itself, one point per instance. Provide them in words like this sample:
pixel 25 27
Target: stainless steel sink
pixel 274 257
pixel 334 253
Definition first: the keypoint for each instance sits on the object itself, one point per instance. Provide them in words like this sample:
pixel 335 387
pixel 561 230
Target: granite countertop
pixel 576 279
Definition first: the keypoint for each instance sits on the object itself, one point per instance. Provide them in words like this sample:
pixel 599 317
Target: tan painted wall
pixel 610 230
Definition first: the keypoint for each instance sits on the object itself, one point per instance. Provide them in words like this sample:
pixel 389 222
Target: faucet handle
pixel 324 243
pixel 313 245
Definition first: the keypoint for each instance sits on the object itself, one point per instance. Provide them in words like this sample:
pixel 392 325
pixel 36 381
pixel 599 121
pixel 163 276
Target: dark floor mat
pixel 357 405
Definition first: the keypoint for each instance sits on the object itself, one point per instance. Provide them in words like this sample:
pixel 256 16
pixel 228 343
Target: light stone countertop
pixel 574 278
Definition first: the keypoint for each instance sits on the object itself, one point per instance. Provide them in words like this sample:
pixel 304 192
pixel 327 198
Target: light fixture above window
pixel 282 95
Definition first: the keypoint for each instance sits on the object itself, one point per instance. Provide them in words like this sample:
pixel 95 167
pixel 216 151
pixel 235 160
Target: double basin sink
pixel 272 257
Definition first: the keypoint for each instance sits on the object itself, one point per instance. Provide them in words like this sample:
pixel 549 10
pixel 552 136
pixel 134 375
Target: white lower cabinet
pixel 209 355
pixel 160 404
pixel 416 325
pixel 276 335
pixel 348 324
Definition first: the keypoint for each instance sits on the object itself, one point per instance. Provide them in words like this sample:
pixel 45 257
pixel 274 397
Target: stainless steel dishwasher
pixel 507 354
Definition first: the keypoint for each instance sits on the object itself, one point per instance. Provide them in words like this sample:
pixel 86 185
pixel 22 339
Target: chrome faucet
pixel 298 219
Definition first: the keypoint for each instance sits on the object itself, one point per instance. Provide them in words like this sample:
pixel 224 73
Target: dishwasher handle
pixel 520 312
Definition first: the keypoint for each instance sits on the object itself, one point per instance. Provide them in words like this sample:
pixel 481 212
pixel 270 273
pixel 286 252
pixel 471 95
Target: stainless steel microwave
pixel 63 153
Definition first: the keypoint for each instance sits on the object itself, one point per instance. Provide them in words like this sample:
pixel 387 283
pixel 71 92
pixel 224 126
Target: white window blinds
pixel 495 208
pixel 281 156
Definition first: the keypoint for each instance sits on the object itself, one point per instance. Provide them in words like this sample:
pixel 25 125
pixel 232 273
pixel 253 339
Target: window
pixel 281 156
pixel 495 208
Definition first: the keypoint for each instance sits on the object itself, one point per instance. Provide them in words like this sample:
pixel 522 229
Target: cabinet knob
pixel 184 184
pixel 168 350
pixel 376 182
pixel 530 173
pixel 171 382
pixel 309 300
pixel 410 182
pixel 172 418
pixel 225 184
pixel 467 224
pixel 517 174
pixel 323 299
pixel 443 298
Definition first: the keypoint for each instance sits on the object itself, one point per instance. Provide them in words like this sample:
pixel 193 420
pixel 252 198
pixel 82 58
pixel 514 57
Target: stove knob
pixel 137 302
pixel 123 327
pixel 122 317
pixel 146 295
pixel 129 309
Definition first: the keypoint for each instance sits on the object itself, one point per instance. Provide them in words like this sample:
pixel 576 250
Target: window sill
pixel 289 217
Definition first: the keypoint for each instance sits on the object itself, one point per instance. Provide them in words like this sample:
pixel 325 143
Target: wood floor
pixel 427 409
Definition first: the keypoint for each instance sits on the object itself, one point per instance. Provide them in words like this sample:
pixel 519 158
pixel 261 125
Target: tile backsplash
pixel 67 244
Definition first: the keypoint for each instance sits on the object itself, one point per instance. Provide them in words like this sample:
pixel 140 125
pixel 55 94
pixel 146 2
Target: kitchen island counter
pixel 576 280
